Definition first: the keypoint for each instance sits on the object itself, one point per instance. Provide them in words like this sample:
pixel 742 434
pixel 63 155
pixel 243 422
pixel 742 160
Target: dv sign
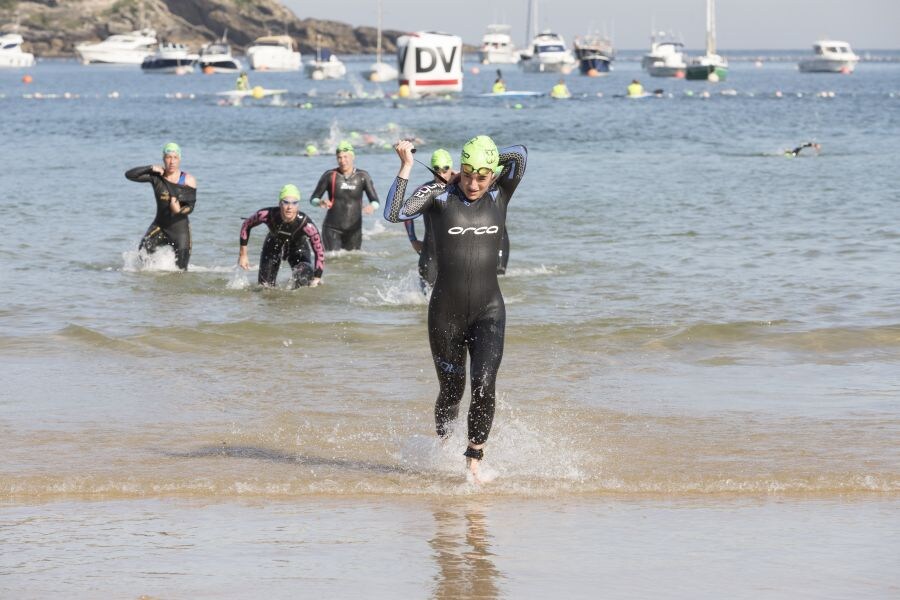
pixel 430 63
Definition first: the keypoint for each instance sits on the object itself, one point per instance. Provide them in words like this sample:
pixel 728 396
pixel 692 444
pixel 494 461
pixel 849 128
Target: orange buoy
pixel 593 73
pixel 475 70
pixel 26 78
pixel 208 70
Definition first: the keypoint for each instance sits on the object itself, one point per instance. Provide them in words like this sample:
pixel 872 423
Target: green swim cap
pixel 481 151
pixel 289 191
pixel 441 158
pixel 172 148
pixel 344 146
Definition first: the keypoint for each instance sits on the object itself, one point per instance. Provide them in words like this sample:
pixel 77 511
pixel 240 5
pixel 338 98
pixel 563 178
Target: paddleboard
pixel 249 93
pixel 510 94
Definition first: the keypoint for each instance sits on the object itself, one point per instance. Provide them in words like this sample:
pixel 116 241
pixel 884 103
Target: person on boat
pixel 796 151
pixel 635 89
pixel 291 236
pixel 243 82
pixel 176 195
pixel 560 91
pixel 499 85
pixel 342 228
pixel 466 313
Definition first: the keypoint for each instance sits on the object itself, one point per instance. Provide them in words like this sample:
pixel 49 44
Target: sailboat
pixel 380 71
pixel 711 66
pixel 326 65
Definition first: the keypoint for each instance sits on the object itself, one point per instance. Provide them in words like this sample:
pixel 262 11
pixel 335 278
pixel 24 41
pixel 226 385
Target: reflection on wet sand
pixel 462 550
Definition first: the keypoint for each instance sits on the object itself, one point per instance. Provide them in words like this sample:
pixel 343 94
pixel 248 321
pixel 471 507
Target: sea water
pixel 698 395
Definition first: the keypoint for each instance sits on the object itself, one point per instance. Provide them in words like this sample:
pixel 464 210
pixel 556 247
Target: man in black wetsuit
pixel 442 167
pixel 466 311
pixel 796 151
pixel 342 228
pixel 176 194
pixel 291 233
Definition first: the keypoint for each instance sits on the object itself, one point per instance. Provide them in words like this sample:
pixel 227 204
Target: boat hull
pixel 664 70
pixel 594 64
pixel 704 72
pixel 820 65
pixel 170 66
pixel 16 60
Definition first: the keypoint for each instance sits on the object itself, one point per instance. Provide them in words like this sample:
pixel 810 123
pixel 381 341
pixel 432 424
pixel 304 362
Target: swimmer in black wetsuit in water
pixel 291 233
pixel 466 311
pixel 342 228
pixel 442 166
pixel 796 151
pixel 176 194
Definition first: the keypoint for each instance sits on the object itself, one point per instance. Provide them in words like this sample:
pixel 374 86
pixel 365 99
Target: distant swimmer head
pixel 441 160
pixel 344 146
pixel 289 193
pixel 480 155
pixel 172 148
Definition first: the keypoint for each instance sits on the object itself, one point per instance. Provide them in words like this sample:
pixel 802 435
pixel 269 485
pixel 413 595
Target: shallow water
pixel 697 328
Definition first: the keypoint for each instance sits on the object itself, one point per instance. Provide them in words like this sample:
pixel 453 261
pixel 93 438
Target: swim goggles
pixel 290 202
pixel 470 170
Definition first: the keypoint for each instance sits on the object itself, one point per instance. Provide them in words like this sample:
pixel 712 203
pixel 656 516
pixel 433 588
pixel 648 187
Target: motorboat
pixel 170 58
pixel 120 49
pixel 710 66
pixel 380 71
pixel 325 66
pixel 497 46
pixel 830 56
pixel 274 53
pixel 665 59
pixel 594 53
pixel 216 57
pixel 548 54
pixel 11 54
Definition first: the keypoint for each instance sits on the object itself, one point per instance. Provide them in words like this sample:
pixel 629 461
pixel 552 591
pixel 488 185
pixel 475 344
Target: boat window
pixel 832 49
pixel 818 49
pixel 8 46
pixel 553 48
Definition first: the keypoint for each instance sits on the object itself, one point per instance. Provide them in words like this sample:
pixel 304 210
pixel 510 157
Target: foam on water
pixel 162 260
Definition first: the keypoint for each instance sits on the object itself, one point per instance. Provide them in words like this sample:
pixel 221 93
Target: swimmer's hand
pixel 368 209
pixel 405 149
pixel 315 282
pixel 417 246
pixel 243 261
pixel 157 169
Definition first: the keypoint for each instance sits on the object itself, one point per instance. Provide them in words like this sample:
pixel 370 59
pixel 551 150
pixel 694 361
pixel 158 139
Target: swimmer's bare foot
pixel 474 454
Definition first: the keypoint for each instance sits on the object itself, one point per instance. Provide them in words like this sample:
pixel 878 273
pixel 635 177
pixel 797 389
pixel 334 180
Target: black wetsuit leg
pixel 352 240
pixel 451 335
pixel 503 257
pixel 427 269
pixel 270 260
pixel 332 238
pixel 179 239
pixel 300 259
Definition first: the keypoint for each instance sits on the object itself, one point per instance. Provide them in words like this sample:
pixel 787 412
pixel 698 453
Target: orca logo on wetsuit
pixel 474 230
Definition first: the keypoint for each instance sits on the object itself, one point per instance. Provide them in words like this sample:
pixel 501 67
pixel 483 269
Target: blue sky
pixel 741 24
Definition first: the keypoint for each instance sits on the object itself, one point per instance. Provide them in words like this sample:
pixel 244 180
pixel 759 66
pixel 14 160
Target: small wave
pixel 406 291
pixel 531 271
pixel 162 260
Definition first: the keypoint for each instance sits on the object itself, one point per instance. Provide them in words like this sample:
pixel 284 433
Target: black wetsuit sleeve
pixel 321 187
pixel 140 174
pixel 260 216
pixel 514 160
pixel 315 240
pixel 397 209
pixel 188 198
pixel 369 188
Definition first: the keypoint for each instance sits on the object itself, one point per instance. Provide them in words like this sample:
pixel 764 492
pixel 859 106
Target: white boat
pixel 325 66
pixel 11 54
pixel 595 54
pixel 380 71
pixel 274 53
pixel 831 56
pixel 121 49
pixel 216 57
pixel 548 54
pixel 497 46
pixel 666 57
pixel 170 58
pixel 709 67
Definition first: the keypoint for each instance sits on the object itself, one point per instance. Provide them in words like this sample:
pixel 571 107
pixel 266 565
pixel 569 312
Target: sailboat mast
pixel 529 33
pixel 378 43
pixel 710 27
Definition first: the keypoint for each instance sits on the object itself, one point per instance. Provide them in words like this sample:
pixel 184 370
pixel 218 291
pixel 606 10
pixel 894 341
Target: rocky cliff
pixel 53 27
